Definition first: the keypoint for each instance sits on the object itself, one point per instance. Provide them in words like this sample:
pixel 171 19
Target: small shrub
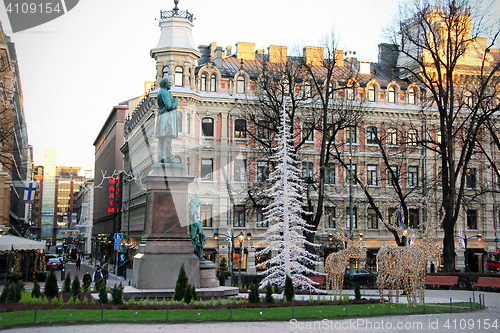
pixel 92 300
pixel 155 302
pixel 172 301
pixel 75 288
pixel 117 294
pixel 219 302
pixel 141 301
pixel 181 285
pixel 35 293
pixel 77 301
pixel 51 289
pixel 182 302
pixel 146 302
pixel 45 300
pixel 26 298
pixel 103 295
pixel 164 301
pixel 71 301
pixel 54 301
pixel 61 300
pixel 85 301
pixel 357 291
pixel 131 301
pixel 269 294
pixel 289 289
pixel 188 294
pixel 211 302
pixel 66 288
pixel 253 296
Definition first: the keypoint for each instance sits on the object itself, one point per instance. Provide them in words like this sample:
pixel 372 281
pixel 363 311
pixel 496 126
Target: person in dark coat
pixel 87 280
pixel 105 273
pixel 78 263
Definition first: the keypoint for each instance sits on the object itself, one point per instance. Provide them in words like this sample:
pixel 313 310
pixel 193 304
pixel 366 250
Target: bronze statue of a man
pixel 166 123
pixel 196 229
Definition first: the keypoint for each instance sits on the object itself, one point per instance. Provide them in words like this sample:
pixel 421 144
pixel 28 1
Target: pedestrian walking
pixel 105 273
pixel 78 263
pixel 97 276
pixel 86 281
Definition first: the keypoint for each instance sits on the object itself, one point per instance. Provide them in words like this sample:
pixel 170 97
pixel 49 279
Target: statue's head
pixel 165 83
pixel 194 203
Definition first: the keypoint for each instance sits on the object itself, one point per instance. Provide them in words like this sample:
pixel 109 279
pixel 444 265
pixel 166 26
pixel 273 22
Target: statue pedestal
pixel 166 244
pixel 208 279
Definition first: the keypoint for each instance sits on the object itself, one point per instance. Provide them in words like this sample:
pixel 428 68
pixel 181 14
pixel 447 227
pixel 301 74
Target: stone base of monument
pixel 160 270
pixel 208 279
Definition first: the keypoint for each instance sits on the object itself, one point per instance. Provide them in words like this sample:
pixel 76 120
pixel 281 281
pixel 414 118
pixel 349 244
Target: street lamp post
pixel 241 237
pixel 465 238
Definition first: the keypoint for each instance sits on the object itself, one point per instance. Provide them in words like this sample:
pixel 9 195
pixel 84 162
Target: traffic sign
pixel 118 242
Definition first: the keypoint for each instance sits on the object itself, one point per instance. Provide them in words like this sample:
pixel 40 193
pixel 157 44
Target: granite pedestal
pixel 166 244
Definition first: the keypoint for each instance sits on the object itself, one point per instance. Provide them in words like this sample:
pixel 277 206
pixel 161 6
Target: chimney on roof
pixel 339 58
pixel 277 54
pixel 352 56
pixel 314 55
pixel 388 55
pixel 245 51
pixel 364 67
pixel 229 51
pixel 218 57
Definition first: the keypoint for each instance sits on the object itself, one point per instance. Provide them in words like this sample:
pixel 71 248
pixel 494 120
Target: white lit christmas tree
pixel 284 238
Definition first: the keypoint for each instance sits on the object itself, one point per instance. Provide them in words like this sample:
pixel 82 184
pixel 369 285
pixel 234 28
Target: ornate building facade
pixel 217 145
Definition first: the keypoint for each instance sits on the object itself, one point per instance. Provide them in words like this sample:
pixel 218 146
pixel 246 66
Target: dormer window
pixel 391 95
pixel 213 83
pixel 240 85
pixel 411 96
pixel 350 93
pixel 371 94
pixel 178 76
pixel 203 83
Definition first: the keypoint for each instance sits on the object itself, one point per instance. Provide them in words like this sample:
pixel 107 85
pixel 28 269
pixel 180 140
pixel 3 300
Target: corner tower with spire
pixel 176 53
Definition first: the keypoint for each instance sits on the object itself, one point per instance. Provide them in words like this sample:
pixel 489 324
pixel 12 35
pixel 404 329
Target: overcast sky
pixel 75 68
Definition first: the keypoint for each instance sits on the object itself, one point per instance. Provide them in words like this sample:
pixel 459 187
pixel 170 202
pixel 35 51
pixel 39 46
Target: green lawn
pixel 27 317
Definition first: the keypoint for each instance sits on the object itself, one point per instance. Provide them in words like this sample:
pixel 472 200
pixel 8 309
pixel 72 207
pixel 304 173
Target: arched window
pixel 207 126
pixel 350 93
pixel 308 89
pixel 165 71
pixel 411 96
pixel 392 136
pixel 178 76
pixel 412 137
pixel 203 83
pixel 371 94
pixel 391 96
pixel 213 83
pixel 240 85
pixel 286 87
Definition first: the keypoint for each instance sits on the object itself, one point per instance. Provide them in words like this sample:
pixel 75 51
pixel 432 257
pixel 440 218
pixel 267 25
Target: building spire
pixel 176 9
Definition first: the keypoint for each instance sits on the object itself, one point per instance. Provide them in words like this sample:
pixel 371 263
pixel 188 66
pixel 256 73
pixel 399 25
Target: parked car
pixel 55 262
pixel 362 276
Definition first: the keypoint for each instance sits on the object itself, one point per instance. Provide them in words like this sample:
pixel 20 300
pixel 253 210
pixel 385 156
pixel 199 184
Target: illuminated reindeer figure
pixel 405 266
pixel 336 262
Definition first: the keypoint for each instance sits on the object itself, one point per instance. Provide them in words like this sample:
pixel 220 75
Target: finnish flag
pixel 29 192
